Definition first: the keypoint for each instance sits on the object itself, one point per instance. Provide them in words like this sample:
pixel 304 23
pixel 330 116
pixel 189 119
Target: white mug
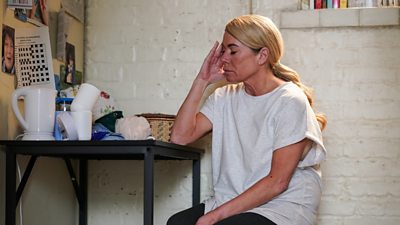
pixel 40 106
pixel 85 98
pixel 83 124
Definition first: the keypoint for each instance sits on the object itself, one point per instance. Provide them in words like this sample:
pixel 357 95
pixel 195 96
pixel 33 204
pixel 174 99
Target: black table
pixel 147 150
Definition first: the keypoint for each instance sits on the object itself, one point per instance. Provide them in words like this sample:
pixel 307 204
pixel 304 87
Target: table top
pixel 102 149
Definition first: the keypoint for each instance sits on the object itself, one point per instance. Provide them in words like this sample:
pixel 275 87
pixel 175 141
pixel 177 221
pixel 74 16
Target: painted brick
pixel 379 187
pixel 299 19
pixel 338 207
pixel 392 208
pixel 371 220
pixel 371 208
pixel 372 167
pixel 334 187
pixel 331 220
pixel 371 148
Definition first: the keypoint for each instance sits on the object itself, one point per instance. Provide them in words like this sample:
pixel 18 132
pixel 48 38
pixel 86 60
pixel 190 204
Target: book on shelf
pixel 383 3
pixel 329 4
pixel 393 3
pixel 363 3
pixel 355 3
pixel 343 4
pixel 304 4
pixel 312 4
pixel 371 3
pixel 335 4
pixel 318 4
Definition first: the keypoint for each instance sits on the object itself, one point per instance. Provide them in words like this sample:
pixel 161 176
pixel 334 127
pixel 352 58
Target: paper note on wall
pixel 62 34
pixel 33 61
pixel 26 4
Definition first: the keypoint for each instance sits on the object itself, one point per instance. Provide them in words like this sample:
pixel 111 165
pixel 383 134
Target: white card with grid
pixel 33 61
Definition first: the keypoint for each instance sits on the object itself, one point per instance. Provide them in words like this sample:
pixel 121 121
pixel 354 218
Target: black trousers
pixel 191 215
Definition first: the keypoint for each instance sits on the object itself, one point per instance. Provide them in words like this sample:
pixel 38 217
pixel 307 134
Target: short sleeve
pixel 295 122
pixel 290 124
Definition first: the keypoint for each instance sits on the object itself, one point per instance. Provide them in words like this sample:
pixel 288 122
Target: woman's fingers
pixel 212 64
pixel 217 54
pixel 211 55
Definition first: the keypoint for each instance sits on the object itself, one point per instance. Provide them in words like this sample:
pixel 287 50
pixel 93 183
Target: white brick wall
pixel 355 74
pixel 147 52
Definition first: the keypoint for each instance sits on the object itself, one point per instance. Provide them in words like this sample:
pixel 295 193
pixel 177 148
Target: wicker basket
pixel 160 125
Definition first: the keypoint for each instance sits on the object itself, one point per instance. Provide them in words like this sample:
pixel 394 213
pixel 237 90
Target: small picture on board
pixel 70 75
pixel 7 53
pixel 39 12
pixel 70 78
pixel 68 90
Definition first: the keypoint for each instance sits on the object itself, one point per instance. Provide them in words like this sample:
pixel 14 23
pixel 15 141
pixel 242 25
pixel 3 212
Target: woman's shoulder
pixel 291 90
pixel 291 94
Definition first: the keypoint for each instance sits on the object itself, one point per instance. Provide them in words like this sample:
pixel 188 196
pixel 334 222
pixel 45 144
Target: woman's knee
pixel 187 217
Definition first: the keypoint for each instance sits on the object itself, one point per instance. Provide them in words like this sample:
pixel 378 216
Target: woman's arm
pixel 284 163
pixel 189 124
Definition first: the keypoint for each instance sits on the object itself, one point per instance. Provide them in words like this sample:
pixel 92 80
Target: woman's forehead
pixel 230 41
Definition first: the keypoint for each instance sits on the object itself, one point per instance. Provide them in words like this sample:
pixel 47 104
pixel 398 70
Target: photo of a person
pixel 8 50
pixel 39 11
pixel 70 76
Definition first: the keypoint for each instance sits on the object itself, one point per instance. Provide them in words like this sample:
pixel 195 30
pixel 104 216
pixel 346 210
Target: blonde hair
pixel 257 32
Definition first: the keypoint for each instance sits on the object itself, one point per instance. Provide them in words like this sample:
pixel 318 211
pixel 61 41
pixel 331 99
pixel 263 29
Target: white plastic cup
pixel 85 98
pixel 83 124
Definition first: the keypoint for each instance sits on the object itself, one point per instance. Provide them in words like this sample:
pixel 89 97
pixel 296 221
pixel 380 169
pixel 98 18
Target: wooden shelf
pixel 350 17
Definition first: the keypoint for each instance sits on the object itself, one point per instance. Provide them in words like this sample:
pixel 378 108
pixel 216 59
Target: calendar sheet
pixel 33 61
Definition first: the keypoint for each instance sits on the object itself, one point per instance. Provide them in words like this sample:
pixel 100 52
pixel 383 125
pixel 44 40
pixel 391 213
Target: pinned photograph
pixel 8 61
pixel 39 12
pixel 70 75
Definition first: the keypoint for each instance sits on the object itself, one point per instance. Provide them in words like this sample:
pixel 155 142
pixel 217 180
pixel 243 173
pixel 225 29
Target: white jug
pixel 40 109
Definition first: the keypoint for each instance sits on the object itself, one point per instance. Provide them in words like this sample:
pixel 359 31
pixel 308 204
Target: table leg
pixel 25 177
pixel 148 187
pixel 196 182
pixel 83 188
pixel 11 194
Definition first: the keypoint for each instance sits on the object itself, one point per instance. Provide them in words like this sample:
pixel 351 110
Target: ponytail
pixel 287 74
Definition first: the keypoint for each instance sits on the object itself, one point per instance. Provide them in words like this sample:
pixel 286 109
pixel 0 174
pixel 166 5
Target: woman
pixel 266 138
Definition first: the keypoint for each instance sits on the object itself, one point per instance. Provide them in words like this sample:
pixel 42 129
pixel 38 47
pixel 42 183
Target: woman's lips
pixel 227 71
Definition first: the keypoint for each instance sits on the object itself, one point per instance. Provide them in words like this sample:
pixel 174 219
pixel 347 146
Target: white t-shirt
pixel 246 131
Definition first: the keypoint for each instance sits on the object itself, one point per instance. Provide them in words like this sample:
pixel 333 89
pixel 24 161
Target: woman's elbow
pixel 178 139
pixel 280 187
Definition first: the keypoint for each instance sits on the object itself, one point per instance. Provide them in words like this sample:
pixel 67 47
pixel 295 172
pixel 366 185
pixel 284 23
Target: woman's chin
pixel 230 78
pixel 8 66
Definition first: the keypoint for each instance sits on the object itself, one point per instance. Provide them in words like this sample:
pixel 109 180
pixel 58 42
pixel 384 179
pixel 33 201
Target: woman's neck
pixel 262 83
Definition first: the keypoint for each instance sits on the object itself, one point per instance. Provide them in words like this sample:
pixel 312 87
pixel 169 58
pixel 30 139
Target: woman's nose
pixel 225 57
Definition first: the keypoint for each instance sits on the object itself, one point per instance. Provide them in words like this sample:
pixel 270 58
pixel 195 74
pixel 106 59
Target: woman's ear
pixel 263 55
